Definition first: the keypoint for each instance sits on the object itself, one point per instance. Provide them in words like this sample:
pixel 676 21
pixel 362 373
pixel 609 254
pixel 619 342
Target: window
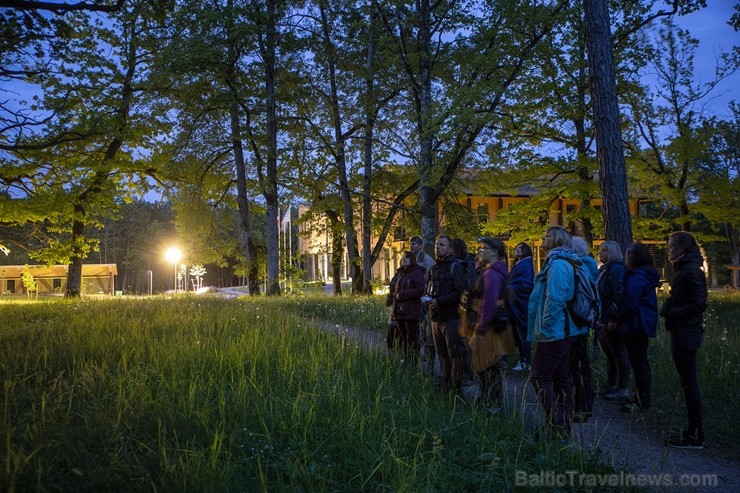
pixel 482 212
pixel 571 225
pixel 56 284
pixel 10 285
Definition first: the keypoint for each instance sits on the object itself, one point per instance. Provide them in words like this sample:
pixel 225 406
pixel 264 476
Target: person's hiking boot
pixel 633 407
pixel 686 442
pixel 606 389
pixel 617 395
pixel 521 366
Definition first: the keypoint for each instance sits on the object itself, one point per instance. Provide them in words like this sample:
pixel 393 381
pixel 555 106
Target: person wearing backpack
pixel 552 327
pixel 637 320
pixel 521 279
pixel 684 315
pixel 580 365
pixel 447 282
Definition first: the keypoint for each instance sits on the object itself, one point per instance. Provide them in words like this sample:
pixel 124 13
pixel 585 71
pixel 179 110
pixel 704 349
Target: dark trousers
pixel 637 351
pixel 617 361
pixel 408 338
pixel 580 373
pixel 525 346
pixel 551 381
pixel 684 347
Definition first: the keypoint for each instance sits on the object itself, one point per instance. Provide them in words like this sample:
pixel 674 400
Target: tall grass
pixel 206 394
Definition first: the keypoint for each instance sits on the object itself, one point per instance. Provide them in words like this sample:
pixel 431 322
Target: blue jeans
pixel 684 348
pixel 551 381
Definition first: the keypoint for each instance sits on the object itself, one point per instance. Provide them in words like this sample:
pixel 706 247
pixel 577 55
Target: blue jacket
pixel 611 290
pixel 553 288
pixel 638 314
pixel 590 267
pixel 521 281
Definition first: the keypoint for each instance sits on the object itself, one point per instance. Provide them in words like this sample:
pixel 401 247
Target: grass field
pixel 207 394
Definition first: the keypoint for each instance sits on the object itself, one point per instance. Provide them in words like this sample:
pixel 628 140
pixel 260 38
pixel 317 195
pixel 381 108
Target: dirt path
pixel 622 440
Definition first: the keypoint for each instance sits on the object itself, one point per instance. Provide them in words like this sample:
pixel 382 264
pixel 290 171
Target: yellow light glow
pixel 173 255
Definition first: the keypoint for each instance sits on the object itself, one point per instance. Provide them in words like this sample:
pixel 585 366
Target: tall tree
pixel 609 151
pixel 459 63
pixel 670 121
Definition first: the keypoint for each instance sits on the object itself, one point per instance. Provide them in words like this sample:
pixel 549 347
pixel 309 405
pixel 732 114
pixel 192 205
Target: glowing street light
pixel 173 254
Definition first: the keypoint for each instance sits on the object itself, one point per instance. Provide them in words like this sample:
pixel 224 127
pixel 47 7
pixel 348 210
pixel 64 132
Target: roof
pixel 88 270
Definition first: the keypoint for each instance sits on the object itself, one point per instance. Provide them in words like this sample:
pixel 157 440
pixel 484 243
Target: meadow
pixel 207 394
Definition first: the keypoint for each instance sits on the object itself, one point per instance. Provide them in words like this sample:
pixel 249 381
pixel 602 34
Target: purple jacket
pixel 494 277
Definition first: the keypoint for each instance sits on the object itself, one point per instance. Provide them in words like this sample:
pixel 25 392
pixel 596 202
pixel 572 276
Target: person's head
pixel 416 244
pixel 408 259
pixel 490 250
pixel 636 256
pixel 679 244
pixel 556 236
pixel 443 247
pixel 610 251
pixel 459 248
pixel 522 250
pixel 580 246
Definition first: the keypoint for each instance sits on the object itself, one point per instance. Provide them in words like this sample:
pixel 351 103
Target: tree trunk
pixel 609 151
pixel 245 220
pixel 337 251
pixel 367 210
pixel 270 186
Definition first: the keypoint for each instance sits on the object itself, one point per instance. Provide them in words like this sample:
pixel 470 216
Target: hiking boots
pixel 617 395
pixel 685 440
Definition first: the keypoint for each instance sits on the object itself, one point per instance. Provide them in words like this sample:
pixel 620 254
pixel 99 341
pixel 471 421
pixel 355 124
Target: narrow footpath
pixel 624 441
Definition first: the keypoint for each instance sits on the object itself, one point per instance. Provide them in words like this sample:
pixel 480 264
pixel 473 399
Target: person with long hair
pixel 521 282
pixel 580 364
pixel 487 350
pixel 637 320
pixel 610 285
pixel 553 328
pixel 406 309
pixel 684 317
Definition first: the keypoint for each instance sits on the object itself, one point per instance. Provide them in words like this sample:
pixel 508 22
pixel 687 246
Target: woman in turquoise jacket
pixel 551 326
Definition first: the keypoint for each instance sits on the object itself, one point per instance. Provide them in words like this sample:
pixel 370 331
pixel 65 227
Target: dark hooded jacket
pixel 408 290
pixel 447 281
pixel 684 309
pixel 638 314
pixel 521 282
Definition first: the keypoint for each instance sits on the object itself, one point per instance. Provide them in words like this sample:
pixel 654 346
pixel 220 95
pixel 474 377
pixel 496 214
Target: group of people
pixel 470 311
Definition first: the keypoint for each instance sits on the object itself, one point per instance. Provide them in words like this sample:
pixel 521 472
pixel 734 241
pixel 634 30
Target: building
pixel 96 278
pixel 315 241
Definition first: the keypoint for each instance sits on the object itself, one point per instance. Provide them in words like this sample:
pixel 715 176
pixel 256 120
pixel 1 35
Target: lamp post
pixel 173 255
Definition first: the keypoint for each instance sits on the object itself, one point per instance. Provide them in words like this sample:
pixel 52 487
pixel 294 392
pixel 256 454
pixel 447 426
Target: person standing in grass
pixel 486 350
pixel 521 281
pixel 407 306
pixel 638 320
pixel 447 282
pixel 553 329
pixel 610 284
pixel 428 353
pixel 580 365
pixel 684 315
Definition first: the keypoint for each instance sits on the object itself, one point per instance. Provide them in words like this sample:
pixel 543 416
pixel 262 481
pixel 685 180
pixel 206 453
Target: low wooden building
pixel 96 278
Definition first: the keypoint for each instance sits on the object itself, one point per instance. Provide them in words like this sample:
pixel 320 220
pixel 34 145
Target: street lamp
pixel 173 255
